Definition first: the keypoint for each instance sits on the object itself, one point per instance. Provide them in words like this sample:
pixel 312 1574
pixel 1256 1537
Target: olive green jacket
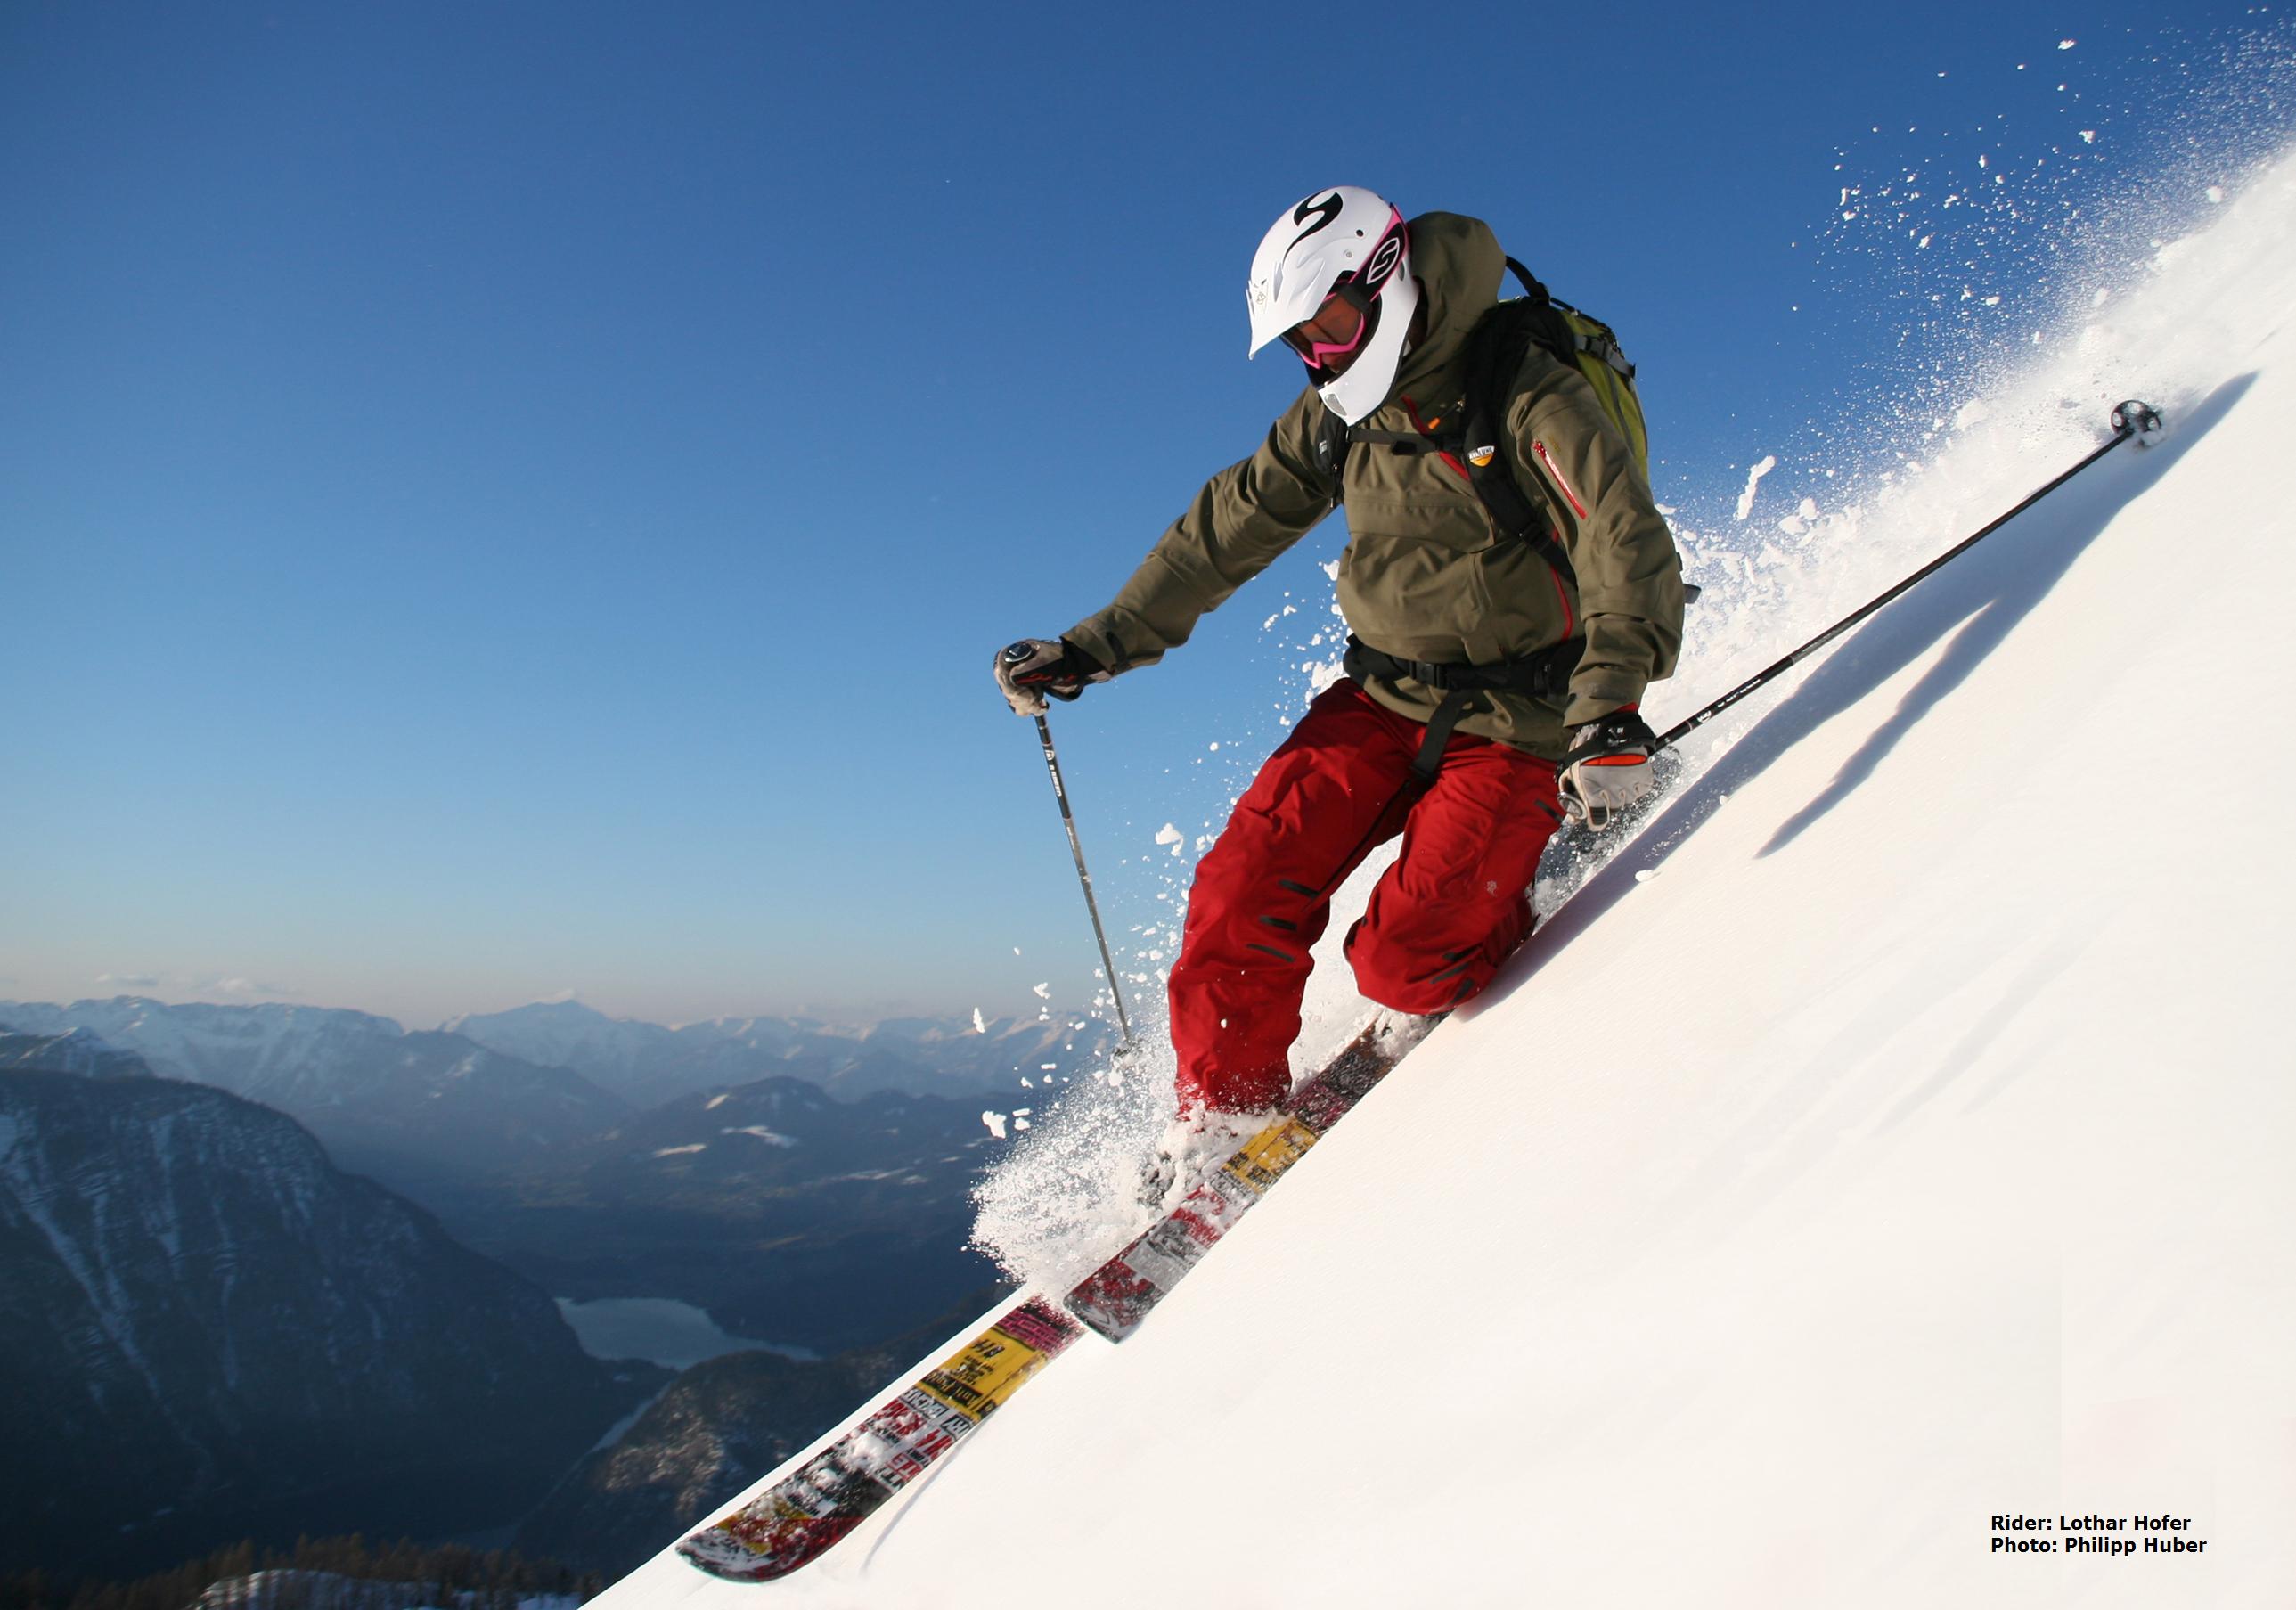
pixel 1426 575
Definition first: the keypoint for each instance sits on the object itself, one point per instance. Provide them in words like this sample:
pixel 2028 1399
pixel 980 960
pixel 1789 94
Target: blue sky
pixel 502 499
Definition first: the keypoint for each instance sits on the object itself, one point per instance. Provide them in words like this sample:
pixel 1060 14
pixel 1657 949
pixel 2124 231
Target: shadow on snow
pixel 1985 592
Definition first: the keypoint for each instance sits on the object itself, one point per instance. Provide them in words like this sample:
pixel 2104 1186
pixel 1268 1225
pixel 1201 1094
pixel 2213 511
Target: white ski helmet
pixel 1350 246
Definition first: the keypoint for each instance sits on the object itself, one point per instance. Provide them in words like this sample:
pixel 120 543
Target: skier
pixel 1476 670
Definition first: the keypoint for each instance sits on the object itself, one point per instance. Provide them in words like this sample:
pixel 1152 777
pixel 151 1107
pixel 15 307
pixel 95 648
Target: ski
pixel 808 1512
pixel 1116 1297
pixel 805 1514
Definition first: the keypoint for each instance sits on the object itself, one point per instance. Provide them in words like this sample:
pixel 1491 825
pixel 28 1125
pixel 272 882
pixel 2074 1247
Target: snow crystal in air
pixel 995 1122
pixel 1044 992
pixel 2065 43
pixel 1753 479
pixel 2215 192
pixel 1066 1196
pixel 1799 522
pixel 981 1023
pixel 1173 836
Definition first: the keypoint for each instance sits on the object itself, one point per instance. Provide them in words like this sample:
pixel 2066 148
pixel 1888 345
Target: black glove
pixel 1609 768
pixel 1033 667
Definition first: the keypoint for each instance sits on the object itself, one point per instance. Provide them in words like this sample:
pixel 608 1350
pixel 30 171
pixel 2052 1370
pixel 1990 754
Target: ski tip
pixel 751 1546
pixel 728 1561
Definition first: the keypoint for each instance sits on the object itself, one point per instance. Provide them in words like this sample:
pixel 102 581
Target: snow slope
pixel 1895 1137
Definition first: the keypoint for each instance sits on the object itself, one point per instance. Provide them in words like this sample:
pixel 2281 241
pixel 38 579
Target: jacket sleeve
pixel 1243 520
pixel 1629 574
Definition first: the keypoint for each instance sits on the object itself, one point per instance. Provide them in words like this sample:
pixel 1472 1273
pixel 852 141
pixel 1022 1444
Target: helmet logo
pixel 1325 211
pixel 1480 458
pixel 1383 260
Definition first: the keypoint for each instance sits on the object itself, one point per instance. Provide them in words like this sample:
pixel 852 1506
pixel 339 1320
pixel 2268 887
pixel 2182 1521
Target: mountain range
pixel 608 1158
pixel 215 1268
pixel 309 1058
pixel 646 1064
pixel 207 1330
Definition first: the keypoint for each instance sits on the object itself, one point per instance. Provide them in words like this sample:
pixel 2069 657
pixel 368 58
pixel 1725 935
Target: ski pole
pixel 2131 420
pixel 1075 849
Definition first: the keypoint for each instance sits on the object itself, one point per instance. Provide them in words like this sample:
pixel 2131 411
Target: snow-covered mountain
pixel 252 1051
pixel 77 1052
pixel 1879 1168
pixel 554 1069
pixel 618 1054
pixel 403 1107
pixel 208 1330
pixel 647 1064
pixel 859 1202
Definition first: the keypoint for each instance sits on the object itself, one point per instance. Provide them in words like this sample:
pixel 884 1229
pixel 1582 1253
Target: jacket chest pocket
pixel 1414 496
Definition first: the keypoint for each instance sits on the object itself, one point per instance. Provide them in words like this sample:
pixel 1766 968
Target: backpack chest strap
pixel 1541 675
pixel 1466 688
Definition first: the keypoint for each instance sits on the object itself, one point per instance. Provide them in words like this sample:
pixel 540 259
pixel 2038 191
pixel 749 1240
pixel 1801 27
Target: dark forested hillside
pixel 208 1331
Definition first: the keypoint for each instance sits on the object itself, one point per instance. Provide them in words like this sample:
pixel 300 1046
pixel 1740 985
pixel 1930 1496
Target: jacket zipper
pixel 1555 470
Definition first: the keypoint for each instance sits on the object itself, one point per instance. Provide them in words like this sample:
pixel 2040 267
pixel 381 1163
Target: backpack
pixel 1495 351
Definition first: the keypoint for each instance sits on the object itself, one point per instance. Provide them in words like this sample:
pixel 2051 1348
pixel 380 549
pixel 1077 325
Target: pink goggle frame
pixel 1329 340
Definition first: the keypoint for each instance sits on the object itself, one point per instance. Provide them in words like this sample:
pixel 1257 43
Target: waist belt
pixel 1540 675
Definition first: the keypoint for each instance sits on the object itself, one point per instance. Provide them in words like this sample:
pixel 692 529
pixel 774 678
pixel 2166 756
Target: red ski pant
pixel 1452 907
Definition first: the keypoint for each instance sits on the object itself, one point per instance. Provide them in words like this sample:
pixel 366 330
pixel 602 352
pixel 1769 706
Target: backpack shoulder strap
pixel 1332 450
pixel 1531 286
pixel 1496 351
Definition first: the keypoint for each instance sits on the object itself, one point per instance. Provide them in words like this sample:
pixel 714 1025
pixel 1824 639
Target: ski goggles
pixel 1329 340
pixel 1335 336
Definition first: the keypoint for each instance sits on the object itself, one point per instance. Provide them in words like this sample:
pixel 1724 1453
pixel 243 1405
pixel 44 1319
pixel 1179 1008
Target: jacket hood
pixel 1458 262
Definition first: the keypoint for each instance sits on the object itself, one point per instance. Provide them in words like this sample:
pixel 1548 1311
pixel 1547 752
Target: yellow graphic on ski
pixel 807 1512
